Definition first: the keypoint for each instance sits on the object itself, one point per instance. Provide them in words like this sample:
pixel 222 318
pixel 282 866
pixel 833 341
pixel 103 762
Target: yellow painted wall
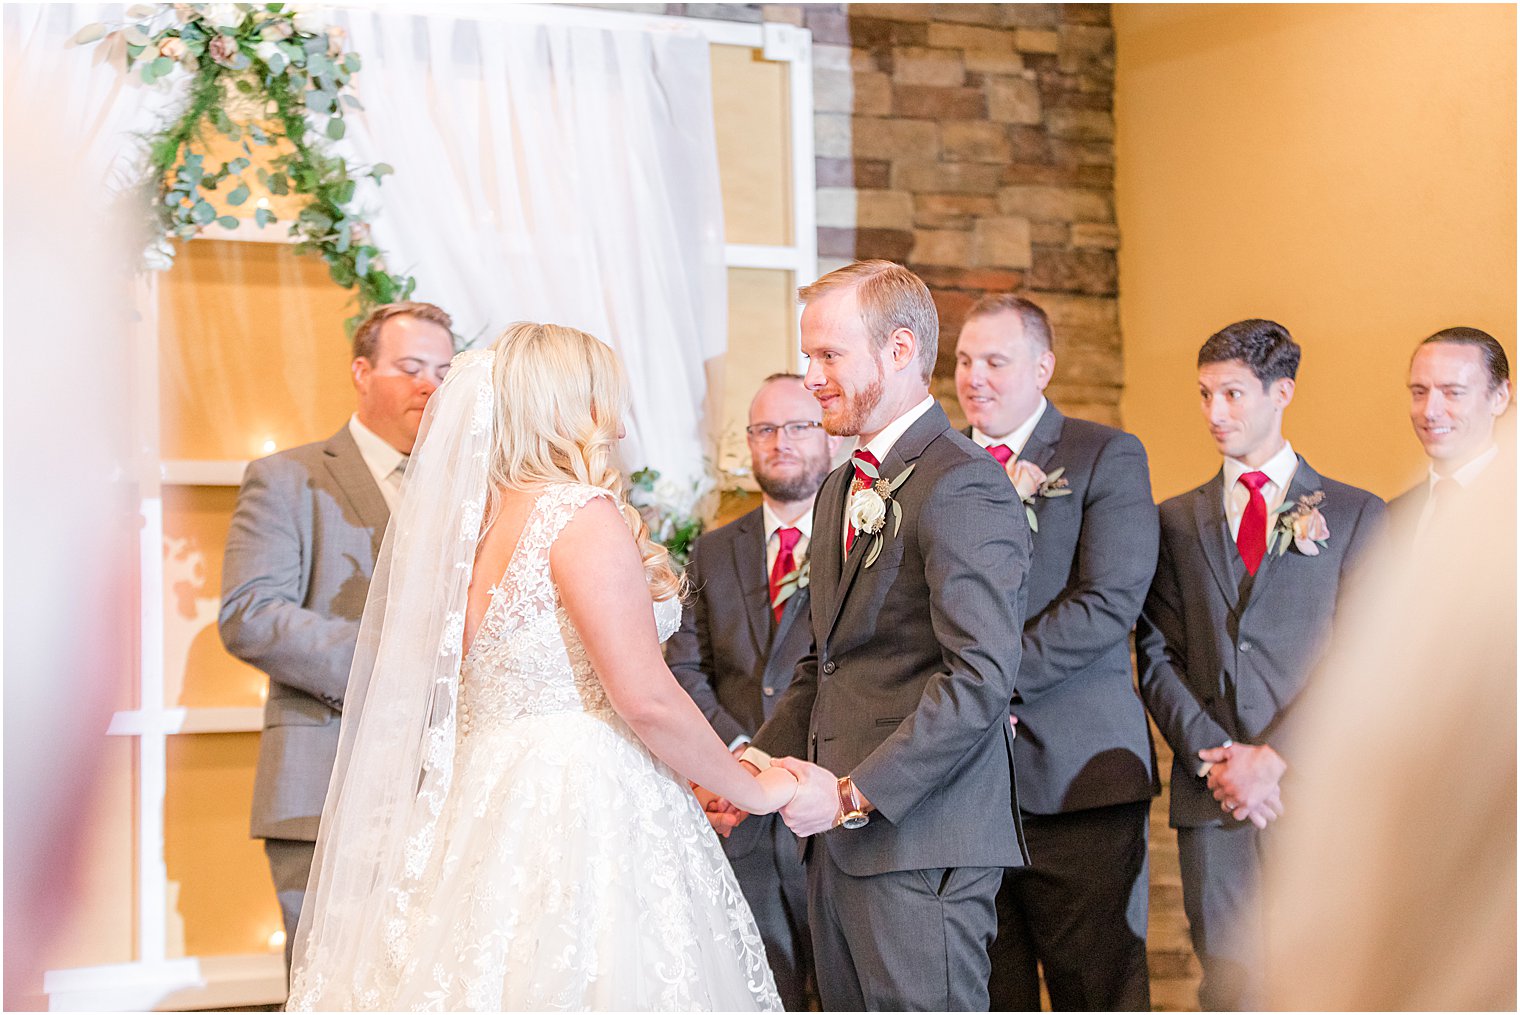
pixel 1348 171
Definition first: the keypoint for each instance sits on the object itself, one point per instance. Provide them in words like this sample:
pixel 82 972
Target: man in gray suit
pixel 1458 389
pixel 299 556
pixel 901 709
pixel 1253 564
pixel 736 650
pixel 1083 751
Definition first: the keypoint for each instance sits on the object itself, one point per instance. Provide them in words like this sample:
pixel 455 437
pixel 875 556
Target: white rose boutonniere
pixel 870 503
pixel 1301 525
pixel 1030 482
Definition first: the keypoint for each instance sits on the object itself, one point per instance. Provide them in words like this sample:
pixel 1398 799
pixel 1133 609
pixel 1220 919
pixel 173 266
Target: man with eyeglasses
pixel 740 640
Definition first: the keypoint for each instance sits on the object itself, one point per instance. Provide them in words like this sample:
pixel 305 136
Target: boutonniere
pixel 1300 524
pixel 870 503
pixel 1031 482
pixel 794 582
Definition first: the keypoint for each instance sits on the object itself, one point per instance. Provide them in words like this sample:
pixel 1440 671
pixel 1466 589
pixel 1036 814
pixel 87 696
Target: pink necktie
pixel 864 456
pixel 785 564
pixel 1001 452
pixel 1251 538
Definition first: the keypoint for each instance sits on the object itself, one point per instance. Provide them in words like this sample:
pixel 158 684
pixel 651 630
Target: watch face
pixel 855 820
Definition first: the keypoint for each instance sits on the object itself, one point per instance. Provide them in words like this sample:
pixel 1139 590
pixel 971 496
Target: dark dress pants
pixel 1221 876
pixel 290 866
pixel 1079 911
pixel 911 940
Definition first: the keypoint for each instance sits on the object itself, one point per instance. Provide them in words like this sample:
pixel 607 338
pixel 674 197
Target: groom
pixel 901 708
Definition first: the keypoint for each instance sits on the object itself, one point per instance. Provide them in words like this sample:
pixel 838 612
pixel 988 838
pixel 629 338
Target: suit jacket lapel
pixel 907 449
pixel 753 580
pixel 1214 536
pixel 1040 449
pixel 826 548
pixel 353 477
pixel 1304 482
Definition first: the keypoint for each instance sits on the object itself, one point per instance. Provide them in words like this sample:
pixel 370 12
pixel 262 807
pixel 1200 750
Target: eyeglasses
pixel 796 430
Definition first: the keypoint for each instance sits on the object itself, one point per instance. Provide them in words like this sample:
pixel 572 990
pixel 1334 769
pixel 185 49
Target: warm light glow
pixel 264 692
pixel 277 941
pixel 270 447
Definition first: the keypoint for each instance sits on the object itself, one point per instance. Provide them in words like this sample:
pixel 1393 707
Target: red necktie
pixel 1251 537
pixel 786 563
pixel 864 456
pixel 1001 452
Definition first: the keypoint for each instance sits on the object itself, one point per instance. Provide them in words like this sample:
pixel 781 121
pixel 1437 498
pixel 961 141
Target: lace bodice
pixel 526 658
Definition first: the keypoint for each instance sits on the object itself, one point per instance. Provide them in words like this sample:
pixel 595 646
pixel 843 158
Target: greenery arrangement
pixel 675 514
pixel 260 74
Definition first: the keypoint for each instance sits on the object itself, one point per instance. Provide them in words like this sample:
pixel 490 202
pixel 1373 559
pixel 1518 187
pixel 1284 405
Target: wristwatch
pixel 852 814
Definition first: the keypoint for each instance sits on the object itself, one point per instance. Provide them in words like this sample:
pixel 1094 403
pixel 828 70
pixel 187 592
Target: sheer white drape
pixel 556 173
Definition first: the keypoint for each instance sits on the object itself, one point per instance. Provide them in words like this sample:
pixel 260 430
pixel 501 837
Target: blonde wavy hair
pixel 561 396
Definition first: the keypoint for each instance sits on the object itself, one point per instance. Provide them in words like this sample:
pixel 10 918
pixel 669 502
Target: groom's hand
pixel 722 815
pixel 816 805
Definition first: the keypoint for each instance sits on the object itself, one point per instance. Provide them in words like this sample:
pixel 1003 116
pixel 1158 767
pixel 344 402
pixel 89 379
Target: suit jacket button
pixel 769 691
pixel 1245 646
pixel 830 666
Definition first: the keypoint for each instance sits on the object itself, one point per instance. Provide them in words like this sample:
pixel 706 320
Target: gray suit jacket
pixel 1083 740
pixel 730 654
pixel 913 663
pixel 1224 656
pixel 300 553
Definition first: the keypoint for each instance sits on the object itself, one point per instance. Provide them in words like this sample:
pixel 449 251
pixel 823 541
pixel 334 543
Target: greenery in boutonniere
pixel 1031 482
pixel 1300 525
pixel 794 582
pixel 869 504
pixel 259 75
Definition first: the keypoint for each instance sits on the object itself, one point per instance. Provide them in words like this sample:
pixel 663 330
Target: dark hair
pixel 1263 346
pixel 1494 358
pixel 1031 317
pixel 367 334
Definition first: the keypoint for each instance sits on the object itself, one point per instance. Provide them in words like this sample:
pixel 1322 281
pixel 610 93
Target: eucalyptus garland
pixel 265 75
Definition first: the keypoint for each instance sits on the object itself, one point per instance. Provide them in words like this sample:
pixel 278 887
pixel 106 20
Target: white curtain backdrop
pixel 556 173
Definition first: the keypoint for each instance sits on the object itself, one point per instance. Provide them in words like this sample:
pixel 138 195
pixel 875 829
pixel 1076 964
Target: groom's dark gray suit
pixel 735 660
pixel 907 691
pixel 300 553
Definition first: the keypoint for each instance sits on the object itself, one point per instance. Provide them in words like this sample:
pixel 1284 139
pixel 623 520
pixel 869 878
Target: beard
pixel 850 420
pixel 799 486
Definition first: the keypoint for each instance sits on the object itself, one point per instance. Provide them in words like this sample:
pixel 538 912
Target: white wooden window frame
pixel 153 980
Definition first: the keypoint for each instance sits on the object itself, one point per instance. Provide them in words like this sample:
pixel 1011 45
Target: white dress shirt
pixel 1279 469
pixel 385 463
pixel 882 443
pixel 1020 435
pixel 1465 477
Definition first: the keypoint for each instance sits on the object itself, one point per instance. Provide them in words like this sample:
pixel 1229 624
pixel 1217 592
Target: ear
pixel 1281 392
pixel 1044 368
pixel 360 370
pixel 1498 399
pixel 902 348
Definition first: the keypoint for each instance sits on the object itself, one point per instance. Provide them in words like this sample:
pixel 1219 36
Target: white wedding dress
pixel 571 869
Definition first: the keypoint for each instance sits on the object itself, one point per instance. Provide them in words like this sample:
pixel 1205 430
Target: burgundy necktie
pixel 786 563
pixel 1251 537
pixel 1001 452
pixel 862 456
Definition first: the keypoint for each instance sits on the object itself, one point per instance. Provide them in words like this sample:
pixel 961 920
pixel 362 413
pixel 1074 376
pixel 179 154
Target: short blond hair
pixel 890 297
pixel 367 334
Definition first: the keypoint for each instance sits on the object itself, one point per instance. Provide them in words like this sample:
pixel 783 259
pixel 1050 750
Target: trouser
pixel 912 940
pixel 1221 876
pixel 290 866
pixel 1078 911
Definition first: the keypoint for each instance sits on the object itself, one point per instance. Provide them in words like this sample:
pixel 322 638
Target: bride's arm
pixel 595 565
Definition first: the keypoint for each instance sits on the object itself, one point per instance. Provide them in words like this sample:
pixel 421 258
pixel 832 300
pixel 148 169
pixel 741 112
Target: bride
pixel 505 827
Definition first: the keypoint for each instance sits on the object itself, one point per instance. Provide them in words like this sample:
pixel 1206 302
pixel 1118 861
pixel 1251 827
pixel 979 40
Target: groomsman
pixel 299 556
pixel 1083 750
pixel 1458 389
pixel 1240 608
pixel 737 648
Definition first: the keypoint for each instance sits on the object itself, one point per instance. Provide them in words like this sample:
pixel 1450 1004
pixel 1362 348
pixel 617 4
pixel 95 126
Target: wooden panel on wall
pixel 221 901
pixel 762 340
pixel 254 357
pixel 750 107
pixel 198 671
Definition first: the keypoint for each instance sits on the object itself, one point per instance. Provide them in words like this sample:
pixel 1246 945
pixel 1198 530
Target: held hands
pixel 1245 780
pixel 815 808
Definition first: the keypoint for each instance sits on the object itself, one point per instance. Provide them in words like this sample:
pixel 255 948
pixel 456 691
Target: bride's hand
pixel 778 786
